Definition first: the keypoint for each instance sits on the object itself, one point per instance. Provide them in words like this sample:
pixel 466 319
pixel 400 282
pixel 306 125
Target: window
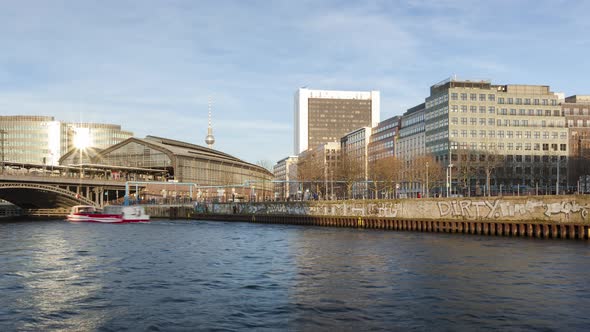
pixel 491 122
pixel 454 121
pixel 500 133
pixel 563 135
pixel 482 97
pixel 482 133
pixel 522 111
pixel 554 147
pixel 556 113
pixel 503 111
pixel 463 121
pixel 500 146
pixel 482 121
pixel 463 96
pixel 527 134
pixel 482 109
pixel 500 100
pixel 524 123
pixel 554 135
pixel 545 147
pixel 463 109
pixel 510 146
pixel 515 123
pixel 491 110
pixel 562 147
pixel 531 112
pixel 473 96
pixel 491 97
pixel 518 101
pixel 473 121
pixel 463 133
pixel 537 134
pixel 509 134
pixel 527 101
pixel 547 112
pixel 510 101
pixel 527 146
pixel 518 146
pixel 454 96
pixel 536 101
pixel 545 102
pixel 455 108
pixel 519 134
pixel 492 134
pixel 473 109
pixel 537 147
pixel 545 135
pixel 454 133
pixel 474 133
pixel 539 112
pixel 512 111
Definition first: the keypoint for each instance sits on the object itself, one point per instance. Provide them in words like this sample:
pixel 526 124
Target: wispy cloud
pixel 150 66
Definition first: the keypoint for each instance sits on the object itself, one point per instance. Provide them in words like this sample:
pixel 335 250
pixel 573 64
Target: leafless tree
pixel 350 170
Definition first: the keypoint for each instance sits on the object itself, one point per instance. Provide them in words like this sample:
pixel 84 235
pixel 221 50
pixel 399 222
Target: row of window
pixel 507 122
pixel 508 146
pixel 504 111
pixel 509 134
pixel 502 100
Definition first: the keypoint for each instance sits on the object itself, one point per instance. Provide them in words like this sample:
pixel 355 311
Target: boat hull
pixel 104 218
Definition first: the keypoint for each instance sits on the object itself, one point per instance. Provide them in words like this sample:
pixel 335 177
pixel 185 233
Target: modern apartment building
pixel 382 140
pixel 498 137
pixel 43 140
pixel 576 110
pixel 410 145
pixel 323 116
pixel 285 175
pixel 354 146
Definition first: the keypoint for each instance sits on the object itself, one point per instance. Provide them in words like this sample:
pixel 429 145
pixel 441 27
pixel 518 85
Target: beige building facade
pixel 499 138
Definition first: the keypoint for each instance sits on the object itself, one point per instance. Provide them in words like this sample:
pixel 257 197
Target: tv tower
pixel 210 139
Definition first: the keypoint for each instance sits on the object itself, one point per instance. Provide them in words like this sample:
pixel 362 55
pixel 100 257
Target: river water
pixel 179 275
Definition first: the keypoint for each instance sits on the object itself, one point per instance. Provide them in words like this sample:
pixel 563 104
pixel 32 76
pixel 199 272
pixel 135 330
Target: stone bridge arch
pixel 40 196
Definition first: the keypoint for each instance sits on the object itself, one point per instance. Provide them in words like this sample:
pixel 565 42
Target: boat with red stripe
pixel 112 214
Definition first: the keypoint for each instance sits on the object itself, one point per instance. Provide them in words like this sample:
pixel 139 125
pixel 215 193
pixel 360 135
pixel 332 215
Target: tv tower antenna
pixel 210 140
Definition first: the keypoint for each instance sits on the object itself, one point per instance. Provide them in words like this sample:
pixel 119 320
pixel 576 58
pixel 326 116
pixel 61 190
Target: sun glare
pixel 82 138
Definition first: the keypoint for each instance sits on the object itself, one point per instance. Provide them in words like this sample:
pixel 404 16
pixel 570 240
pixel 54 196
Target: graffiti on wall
pixel 502 209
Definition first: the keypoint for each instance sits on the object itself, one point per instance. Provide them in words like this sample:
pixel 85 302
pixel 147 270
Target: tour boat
pixel 111 214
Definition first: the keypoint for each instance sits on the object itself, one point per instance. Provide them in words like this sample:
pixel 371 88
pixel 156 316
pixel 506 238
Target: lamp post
pixel 427 190
pixel 2 133
pixel 557 181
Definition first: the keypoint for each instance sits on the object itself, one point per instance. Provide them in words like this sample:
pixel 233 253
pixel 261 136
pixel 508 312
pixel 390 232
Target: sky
pixel 150 66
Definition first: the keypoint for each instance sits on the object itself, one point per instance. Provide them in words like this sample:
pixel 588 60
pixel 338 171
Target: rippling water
pixel 178 275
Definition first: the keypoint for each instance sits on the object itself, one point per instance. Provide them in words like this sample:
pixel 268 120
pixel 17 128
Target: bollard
pixel 572 231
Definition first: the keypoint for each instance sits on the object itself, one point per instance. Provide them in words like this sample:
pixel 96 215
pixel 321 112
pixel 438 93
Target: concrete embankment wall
pixel 537 216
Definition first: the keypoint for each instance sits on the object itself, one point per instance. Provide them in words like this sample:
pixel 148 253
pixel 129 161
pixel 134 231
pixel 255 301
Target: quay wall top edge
pixel 551 209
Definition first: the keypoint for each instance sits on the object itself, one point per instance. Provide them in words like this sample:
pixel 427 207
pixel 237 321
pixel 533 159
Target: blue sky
pixel 150 65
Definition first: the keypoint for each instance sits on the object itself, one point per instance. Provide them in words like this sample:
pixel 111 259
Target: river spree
pixel 179 275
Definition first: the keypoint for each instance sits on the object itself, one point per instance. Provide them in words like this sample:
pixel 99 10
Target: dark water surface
pixel 178 275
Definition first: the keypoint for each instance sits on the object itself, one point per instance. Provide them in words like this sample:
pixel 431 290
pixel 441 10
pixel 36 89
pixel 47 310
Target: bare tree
pixel 383 173
pixel 310 171
pixel 350 170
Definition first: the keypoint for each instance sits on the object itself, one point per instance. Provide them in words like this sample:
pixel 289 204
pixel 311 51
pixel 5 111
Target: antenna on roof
pixel 210 140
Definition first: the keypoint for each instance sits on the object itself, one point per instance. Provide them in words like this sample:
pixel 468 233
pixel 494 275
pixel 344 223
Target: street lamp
pixel 450 180
pixel 427 190
pixel 2 133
